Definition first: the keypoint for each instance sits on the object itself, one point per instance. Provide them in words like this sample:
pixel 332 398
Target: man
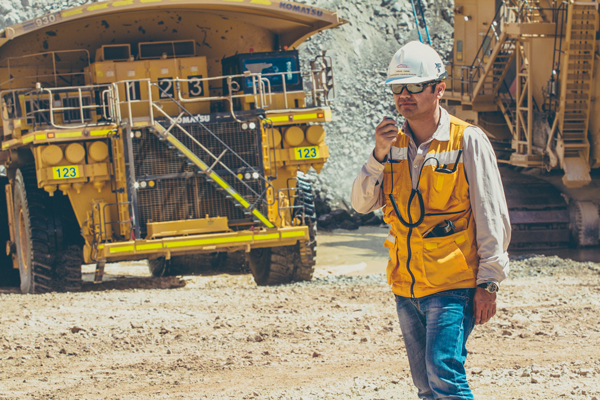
pixel 438 181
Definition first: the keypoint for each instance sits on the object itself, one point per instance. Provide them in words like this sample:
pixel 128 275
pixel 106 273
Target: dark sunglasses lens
pixel 397 89
pixel 412 88
pixel 415 87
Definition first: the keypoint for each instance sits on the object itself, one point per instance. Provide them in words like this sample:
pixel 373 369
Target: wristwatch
pixel 490 287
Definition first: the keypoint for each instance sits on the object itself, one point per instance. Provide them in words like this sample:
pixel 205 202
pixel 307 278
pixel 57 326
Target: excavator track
pixel 539 214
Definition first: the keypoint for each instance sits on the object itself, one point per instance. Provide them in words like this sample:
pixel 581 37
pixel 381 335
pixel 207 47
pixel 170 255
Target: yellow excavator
pixel 527 73
pixel 166 130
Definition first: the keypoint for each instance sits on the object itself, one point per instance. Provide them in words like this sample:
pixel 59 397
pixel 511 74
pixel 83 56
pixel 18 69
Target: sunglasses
pixel 412 88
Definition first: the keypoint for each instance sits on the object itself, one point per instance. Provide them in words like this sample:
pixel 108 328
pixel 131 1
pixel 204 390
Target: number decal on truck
pixel 65 172
pixel 306 153
pixel 195 86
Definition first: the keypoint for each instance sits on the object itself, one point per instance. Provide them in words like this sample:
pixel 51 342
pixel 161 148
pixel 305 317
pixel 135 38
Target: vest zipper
pixel 412 285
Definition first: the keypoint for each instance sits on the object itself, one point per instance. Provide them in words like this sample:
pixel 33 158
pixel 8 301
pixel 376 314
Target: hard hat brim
pixel 404 80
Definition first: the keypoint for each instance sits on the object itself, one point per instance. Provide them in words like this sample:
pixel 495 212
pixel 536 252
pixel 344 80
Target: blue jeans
pixel 435 330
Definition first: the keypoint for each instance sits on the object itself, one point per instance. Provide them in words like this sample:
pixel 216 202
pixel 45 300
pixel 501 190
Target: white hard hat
pixel 415 62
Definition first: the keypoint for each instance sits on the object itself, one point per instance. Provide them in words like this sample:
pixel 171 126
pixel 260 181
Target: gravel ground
pixel 336 337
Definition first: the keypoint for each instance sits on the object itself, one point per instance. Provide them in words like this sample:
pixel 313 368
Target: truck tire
pixel 273 266
pixel 9 276
pixel 280 265
pixel 49 246
pixel 305 264
pixel 182 265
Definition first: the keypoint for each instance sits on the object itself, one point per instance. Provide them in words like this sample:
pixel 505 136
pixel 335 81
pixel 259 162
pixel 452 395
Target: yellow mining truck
pixel 527 73
pixel 160 130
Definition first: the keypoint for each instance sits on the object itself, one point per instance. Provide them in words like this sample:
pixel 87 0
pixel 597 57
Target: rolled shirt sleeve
pixel 489 206
pixel 366 193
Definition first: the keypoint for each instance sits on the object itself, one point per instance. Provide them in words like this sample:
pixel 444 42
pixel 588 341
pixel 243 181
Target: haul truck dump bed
pixel 161 130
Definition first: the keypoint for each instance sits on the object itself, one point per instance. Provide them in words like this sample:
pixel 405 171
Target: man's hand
pixel 386 134
pixel 484 306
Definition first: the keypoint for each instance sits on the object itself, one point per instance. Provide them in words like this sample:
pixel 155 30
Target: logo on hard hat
pixel 439 67
pixel 401 70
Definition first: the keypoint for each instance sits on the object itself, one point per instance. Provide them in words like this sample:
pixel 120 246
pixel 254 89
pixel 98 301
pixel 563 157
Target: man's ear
pixel 440 89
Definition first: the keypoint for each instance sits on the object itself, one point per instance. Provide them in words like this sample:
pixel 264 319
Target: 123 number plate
pixel 306 153
pixel 66 172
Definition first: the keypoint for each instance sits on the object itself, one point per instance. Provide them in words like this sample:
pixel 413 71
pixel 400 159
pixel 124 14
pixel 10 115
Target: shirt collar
pixel 441 134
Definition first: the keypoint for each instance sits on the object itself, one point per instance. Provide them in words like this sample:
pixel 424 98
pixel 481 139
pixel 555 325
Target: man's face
pixel 419 105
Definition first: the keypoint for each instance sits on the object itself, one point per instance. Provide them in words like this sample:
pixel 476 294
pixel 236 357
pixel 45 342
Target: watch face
pixel 492 288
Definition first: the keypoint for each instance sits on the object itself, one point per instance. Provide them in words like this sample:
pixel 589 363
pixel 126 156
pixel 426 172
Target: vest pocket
pixel 444 261
pixel 441 186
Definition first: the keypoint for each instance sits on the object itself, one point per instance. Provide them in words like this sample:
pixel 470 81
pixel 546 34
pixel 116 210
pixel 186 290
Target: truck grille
pixel 180 192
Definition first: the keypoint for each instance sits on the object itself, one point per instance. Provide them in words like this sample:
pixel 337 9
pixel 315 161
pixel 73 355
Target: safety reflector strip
pixel 97 7
pixel 123 3
pixel 262 218
pixel 102 132
pixel 431 246
pixel 460 239
pixel 267 237
pixel 122 249
pixel 28 139
pixel 151 246
pixel 391 238
pixel 292 234
pixel 305 116
pixel 72 12
pixel 64 135
pixel 229 190
pixel 203 242
pixel 40 137
pixel 291 118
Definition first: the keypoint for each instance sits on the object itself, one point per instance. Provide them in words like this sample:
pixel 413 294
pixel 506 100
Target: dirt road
pixel 337 337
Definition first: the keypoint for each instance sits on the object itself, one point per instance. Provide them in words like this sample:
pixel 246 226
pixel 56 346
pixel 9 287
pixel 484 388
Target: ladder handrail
pixel 217 159
pixel 494 23
pixel 48 94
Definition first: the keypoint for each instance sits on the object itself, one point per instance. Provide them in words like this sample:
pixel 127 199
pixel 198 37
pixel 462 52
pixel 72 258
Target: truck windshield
pixel 275 66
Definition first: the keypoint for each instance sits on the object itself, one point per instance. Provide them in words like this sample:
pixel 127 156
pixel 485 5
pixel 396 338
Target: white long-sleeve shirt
pixel 485 192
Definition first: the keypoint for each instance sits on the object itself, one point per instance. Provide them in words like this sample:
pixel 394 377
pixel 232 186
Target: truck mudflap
pixel 165 247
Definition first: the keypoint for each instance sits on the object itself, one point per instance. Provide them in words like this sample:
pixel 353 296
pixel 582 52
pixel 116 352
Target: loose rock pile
pixel 342 219
pixel 361 51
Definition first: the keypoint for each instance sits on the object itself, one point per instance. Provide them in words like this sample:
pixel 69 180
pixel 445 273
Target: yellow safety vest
pixel 419 265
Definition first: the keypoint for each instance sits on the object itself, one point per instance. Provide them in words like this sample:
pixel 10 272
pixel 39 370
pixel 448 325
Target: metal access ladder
pixel 168 135
pixel 575 92
pixel 495 70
